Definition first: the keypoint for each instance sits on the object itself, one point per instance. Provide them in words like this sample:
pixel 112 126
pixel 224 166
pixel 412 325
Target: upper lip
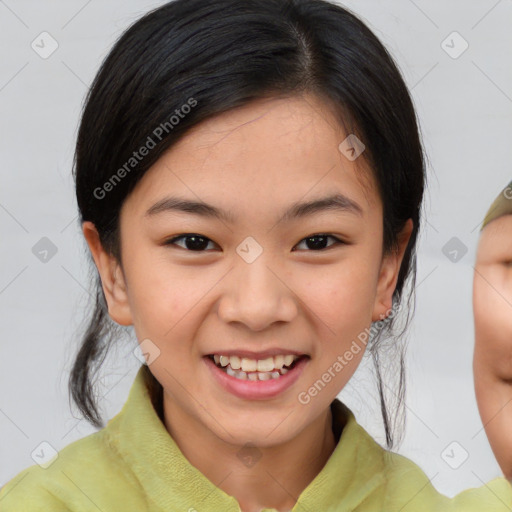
pixel 264 354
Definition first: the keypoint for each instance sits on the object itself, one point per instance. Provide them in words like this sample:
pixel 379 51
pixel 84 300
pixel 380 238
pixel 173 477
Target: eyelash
pixel 172 241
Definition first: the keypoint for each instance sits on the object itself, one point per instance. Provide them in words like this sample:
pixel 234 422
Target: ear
pixel 388 276
pixel 112 277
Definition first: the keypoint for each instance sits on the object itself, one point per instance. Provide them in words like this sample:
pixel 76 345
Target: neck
pixel 273 478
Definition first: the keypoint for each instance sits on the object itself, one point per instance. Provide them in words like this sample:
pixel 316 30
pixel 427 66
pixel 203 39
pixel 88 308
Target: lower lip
pixel 256 389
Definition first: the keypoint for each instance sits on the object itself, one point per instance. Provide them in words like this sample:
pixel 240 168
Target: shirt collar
pixel 352 472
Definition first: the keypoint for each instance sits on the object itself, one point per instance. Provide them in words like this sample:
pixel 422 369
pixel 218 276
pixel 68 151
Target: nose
pixel 257 294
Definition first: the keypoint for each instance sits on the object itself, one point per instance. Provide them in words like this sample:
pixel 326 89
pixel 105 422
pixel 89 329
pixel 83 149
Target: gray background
pixel 465 109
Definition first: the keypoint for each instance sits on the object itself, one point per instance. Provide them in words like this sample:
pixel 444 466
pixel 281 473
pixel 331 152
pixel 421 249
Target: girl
pixel 249 177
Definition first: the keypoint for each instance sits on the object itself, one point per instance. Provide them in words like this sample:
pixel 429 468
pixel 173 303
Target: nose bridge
pixel 251 263
pixel 256 277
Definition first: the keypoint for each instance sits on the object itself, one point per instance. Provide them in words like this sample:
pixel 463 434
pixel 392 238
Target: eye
pixel 198 243
pixel 317 242
pixel 192 242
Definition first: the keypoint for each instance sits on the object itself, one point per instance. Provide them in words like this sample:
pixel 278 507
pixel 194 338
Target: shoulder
pixel 408 486
pixel 400 484
pixel 87 474
pixel 98 472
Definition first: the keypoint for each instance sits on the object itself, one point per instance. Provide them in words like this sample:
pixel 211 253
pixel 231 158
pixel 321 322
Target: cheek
pixel 341 298
pixel 493 325
pixel 162 295
pixel 493 306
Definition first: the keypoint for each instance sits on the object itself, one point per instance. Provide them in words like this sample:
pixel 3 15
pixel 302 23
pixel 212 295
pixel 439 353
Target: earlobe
pixel 388 277
pixel 112 276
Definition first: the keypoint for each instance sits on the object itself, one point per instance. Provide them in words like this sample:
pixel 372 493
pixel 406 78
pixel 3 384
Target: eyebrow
pixel 336 202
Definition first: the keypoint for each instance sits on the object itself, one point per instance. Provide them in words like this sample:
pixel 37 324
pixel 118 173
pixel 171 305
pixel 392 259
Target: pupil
pixel 320 245
pixel 198 243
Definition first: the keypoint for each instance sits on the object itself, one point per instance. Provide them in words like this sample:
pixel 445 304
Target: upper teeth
pixel 253 365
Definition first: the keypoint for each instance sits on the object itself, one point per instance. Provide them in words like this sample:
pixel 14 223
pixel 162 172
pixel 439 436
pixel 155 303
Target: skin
pixel 492 361
pixel 254 162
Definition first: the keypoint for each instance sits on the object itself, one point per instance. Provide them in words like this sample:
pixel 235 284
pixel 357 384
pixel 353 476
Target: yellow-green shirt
pixel 134 465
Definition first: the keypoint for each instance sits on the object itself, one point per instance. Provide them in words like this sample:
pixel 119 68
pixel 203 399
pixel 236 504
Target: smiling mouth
pixel 252 369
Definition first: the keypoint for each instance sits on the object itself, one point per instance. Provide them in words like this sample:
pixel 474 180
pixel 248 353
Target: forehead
pixel 269 151
pixel 495 239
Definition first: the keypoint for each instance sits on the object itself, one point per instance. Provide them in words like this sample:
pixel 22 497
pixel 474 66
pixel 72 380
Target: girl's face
pixel 244 272
pixel 492 305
